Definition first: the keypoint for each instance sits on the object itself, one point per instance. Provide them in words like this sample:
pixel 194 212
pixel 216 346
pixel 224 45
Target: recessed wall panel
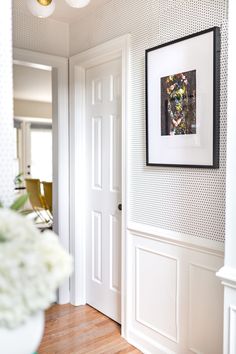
pixel 157 292
pixel 205 310
pixel 232 330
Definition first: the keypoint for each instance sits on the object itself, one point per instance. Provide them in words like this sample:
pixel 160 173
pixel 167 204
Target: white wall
pixel 176 215
pixel 23 108
pixel 41 35
pixel 163 197
pixel 32 84
pixel 6 104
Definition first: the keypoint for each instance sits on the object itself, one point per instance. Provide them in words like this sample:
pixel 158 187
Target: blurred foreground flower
pixel 32 266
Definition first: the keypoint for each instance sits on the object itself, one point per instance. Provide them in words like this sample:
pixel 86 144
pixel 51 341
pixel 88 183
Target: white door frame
pixel 116 48
pixel 60 124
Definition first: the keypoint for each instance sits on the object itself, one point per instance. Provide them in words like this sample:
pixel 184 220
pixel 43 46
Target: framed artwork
pixel 182 101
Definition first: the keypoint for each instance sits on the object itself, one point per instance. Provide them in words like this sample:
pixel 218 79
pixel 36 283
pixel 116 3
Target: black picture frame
pixel 183 131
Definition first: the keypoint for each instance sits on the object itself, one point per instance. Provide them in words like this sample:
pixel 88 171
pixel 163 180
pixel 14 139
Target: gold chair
pixel 47 188
pixel 37 200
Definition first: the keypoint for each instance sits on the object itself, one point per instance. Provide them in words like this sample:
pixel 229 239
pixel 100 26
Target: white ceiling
pixel 64 12
pixel 32 84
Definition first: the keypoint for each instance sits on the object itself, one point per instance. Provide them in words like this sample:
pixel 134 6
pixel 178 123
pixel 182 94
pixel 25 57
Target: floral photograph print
pixel 182 81
pixel 178 104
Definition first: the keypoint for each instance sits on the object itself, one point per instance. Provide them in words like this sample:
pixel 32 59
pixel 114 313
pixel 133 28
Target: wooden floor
pixel 75 330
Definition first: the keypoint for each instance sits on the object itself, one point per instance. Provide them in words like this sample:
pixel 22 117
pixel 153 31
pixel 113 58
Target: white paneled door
pixel 103 147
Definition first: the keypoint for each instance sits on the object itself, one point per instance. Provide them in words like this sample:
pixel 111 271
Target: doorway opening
pixel 87 137
pixel 33 141
pixel 58 68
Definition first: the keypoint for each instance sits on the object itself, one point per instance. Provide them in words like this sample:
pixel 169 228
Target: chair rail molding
pixel 228 272
pixel 228 276
pixel 177 238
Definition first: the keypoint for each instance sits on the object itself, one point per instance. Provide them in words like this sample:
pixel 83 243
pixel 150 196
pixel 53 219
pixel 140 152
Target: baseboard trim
pixel 145 344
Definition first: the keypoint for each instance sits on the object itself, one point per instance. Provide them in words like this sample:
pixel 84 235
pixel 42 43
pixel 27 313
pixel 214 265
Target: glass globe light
pixel 41 8
pixel 78 3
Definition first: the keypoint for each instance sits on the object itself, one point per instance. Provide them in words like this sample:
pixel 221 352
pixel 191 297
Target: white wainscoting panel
pixel 232 334
pixel 204 310
pixel 164 272
pixel 174 298
pixel 228 277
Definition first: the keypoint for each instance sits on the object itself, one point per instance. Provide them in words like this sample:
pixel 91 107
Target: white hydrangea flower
pixel 32 266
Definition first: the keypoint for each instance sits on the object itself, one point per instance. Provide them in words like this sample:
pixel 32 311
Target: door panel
pixel 97 153
pixel 103 154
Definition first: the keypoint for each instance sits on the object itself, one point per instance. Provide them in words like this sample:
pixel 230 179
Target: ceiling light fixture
pixel 77 3
pixel 41 8
pixel 45 8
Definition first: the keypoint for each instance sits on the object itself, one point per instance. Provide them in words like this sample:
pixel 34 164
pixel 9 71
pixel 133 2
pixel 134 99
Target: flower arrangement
pixel 32 266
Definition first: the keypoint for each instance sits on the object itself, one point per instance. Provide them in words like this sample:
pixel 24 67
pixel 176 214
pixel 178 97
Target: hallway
pixel 77 330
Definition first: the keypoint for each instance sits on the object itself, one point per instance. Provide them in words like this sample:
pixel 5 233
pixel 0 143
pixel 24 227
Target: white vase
pixel 24 339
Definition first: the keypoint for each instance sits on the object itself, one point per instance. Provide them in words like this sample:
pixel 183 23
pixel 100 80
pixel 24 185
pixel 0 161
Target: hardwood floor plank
pixel 82 330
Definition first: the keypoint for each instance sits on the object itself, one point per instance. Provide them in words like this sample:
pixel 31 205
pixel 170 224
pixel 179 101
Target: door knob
pixel 120 206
